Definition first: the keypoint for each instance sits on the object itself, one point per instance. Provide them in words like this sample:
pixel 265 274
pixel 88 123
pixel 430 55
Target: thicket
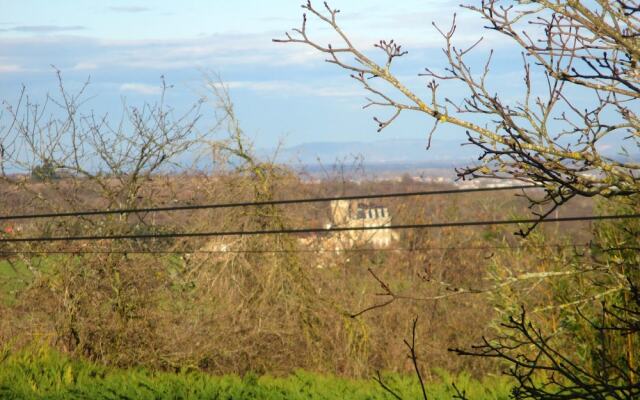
pixel 264 312
pixel 268 305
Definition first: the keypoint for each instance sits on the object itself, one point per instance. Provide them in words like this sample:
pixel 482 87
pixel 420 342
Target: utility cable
pixel 347 250
pixel 315 230
pixel 258 203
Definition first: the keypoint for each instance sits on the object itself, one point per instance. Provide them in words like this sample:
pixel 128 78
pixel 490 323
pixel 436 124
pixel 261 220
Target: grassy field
pixel 42 373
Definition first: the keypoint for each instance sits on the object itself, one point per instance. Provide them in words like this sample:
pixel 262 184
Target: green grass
pixel 13 277
pixel 41 373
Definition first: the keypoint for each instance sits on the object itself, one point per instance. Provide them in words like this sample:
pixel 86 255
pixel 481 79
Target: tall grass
pixel 38 372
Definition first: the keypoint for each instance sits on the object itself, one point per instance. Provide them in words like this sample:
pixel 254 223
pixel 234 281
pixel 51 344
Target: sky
pixel 282 92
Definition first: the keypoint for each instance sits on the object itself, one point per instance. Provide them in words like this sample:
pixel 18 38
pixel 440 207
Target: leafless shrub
pixel 580 87
pixel 547 136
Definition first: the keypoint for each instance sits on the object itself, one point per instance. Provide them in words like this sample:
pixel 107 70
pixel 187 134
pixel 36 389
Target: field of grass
pixel 42 373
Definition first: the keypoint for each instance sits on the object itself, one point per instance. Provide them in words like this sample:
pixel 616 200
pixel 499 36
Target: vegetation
pixel 242 312
pixel 44 172
pixel 41 373
pixel 545 135
pixel 265 306
pixel 586 57
pixel 560 316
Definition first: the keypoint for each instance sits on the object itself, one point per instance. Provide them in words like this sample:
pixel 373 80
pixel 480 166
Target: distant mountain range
pixel 381 152
pixel 392 155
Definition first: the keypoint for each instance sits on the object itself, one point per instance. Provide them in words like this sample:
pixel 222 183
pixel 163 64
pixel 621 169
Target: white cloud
pixel 219 50
pixel 41 29
pixel 85 53
pixel 290 88
pixel 129 9
pixel 9 68
pixel 85 66
pixel 140 88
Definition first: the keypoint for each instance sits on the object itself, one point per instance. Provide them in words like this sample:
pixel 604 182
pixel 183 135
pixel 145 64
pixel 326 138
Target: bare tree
pixel 546 136
pixel 58 157
pixel 580 88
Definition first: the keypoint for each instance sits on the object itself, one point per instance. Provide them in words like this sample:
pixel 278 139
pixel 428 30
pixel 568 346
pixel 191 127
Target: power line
pixel 316 230
pixel 258 203
pixel 247 251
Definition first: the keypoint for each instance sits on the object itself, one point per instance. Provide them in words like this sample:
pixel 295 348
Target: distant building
pixel 344 213
pixel 352 214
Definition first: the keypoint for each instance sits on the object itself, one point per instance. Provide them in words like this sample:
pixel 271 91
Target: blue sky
pixel 280 91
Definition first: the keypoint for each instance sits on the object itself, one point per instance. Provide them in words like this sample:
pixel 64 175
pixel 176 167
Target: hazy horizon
pixel 281 92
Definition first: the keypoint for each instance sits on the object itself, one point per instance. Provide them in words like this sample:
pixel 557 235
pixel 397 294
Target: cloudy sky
pixel 280 91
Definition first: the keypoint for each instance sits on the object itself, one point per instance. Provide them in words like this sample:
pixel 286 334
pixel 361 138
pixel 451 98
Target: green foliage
pixel 17 274
pixel 38 372
pixel 581 331
pixel 44 172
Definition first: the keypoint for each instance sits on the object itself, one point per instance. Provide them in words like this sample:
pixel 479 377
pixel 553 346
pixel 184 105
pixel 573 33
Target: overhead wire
pixel 268 251
pixel 315 229
pixel 259 203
